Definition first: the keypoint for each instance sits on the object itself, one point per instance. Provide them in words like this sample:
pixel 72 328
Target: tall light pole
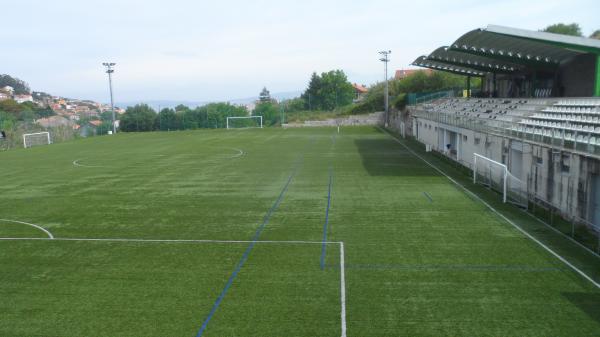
pixel 109 70
pixel 385 59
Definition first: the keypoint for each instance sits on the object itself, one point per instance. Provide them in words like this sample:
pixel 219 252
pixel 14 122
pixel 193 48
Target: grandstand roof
pixel 481 63
pixel 501 49
pixel 426 62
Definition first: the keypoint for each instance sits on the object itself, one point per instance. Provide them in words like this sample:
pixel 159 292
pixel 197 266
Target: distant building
pixel 54 121
pixel 8 90
pixel 403 73
pixel 4 96
pixel 82 108
pixel 23 98
pixel 359 92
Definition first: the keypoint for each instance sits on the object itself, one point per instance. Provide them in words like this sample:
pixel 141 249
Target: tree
pixel 166 120
pixel 20 87
pixel 269 112
pixel 572 29
pixel 264 96
pixel 138 118
pixel 328 91
pixel 294 104
pixel 595 35
pixel 311 95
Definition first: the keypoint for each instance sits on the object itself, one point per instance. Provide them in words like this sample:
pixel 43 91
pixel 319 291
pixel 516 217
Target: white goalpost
pixel 34 139
pixel 244 122
pixel 496 176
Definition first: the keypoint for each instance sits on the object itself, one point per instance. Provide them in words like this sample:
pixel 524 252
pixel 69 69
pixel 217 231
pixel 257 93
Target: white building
pixel 23 98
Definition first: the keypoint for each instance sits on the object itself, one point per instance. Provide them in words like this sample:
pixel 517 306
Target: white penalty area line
pixel 340 243
pixel 52 238
pixel 548 249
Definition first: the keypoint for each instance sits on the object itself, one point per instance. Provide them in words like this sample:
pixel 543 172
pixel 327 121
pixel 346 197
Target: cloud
pixel 198 50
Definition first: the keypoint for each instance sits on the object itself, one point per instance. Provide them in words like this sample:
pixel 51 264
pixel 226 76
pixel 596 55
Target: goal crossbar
pixel 44 135
pixel 496 175
pixel 503 168
pixel 260 119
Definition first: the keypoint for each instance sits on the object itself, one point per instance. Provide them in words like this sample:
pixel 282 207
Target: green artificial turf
pixel 422 257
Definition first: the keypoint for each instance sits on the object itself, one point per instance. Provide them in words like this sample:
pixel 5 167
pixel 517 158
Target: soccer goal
pixel 244 122
pixel 34 139
pixel 496 176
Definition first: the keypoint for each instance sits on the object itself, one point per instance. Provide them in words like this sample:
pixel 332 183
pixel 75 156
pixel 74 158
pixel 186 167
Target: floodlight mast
pixel 109 70
pixel 385 59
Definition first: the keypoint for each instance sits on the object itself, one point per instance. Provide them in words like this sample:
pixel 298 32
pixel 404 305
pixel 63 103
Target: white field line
pixel 343 289
pixel 498 213
pixel 561 233
pixel 50 236
pixel 76 163
pixel 342 264
pixel 237 155
pixel 166 240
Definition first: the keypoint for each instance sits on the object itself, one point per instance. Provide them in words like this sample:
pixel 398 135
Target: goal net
pixel 496 176
pixel 244 122
pixel 35 139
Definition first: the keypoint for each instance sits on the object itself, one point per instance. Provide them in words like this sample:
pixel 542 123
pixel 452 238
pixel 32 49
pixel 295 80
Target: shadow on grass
pixel 385 157
pixel 588 303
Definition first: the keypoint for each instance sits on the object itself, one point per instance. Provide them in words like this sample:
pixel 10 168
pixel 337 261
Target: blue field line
pixel 448 267
pixel 249 249
pixel 326 224
pixel 428 196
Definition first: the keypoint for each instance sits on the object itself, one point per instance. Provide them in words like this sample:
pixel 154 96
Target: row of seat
pixel 579 102
pixel 568 136
pixel 573 109
pixel 589 119
pixel 561 125
pixel 546 92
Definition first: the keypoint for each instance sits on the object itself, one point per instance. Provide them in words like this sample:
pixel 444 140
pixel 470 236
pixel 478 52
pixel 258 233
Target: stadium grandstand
pixel 537 113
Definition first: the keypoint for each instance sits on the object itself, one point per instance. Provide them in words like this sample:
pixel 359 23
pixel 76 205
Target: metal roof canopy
pixel 425 62
pixel 530 48
pixel 480 63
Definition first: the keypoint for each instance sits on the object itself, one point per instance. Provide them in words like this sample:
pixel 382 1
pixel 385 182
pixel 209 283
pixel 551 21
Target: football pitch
pixel 266 232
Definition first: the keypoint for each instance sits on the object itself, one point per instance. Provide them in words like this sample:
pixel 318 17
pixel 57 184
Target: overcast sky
pixel 219 50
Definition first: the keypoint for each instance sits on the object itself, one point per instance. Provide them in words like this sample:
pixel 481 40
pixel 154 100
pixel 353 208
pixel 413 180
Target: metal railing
pixel 556 139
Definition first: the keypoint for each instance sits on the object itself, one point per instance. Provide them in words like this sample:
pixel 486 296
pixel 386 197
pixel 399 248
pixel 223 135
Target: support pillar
pixel 597 86
pixel 533 83
pixel 468 86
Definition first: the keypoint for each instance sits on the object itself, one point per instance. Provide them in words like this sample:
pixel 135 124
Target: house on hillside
pixel 23 98
pixel 8 90
pixel 404 73
pixel 359 92
pixel 4 96
pixel 54 121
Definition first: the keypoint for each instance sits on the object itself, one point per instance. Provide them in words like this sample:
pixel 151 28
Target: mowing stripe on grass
pixel 50 236
pixel 246 254
pixel 469 192
pixel 325 225
pixel 428 196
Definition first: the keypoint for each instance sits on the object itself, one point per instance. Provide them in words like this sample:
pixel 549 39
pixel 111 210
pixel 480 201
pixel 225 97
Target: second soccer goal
pixel 244 122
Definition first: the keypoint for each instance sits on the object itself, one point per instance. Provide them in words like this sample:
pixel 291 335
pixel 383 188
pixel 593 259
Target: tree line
pixel 142 117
